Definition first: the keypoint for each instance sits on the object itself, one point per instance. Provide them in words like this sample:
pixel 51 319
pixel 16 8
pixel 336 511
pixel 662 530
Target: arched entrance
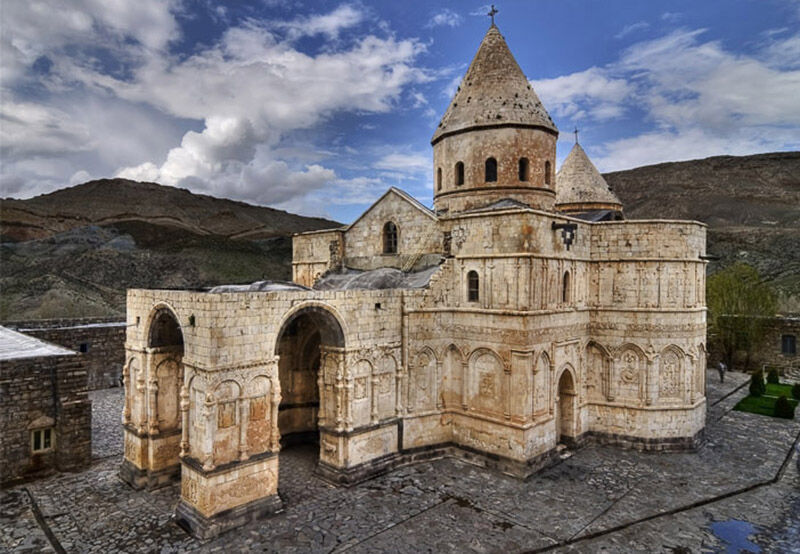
pixel 309 336
pixel 565 417
pixel 165 352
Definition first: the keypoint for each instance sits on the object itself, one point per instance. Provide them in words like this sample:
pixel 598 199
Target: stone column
pixel 209 411
pixel 651 380
pixel 437 385
pixel 244 419
pixel 152 419
pixel 374 380
pixel 507 392
pixel 126 385
pixel 275 402
pixel 553 384
pixel 339 388
pixel 184 407
pixel 321 420
pixel 464 387
pixel 141 395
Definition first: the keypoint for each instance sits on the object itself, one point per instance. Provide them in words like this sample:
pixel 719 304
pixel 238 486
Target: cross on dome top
pixel 492 12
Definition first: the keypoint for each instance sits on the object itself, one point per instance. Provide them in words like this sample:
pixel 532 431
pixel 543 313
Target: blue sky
pixel 318 107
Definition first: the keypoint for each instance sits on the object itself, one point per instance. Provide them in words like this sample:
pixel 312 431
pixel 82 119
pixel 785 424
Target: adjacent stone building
pixel 519 314
pixel 100 341
pixel 45 411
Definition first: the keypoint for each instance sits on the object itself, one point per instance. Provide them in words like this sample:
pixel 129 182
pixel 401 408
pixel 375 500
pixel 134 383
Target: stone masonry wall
pixel 37 393
pixel 99 341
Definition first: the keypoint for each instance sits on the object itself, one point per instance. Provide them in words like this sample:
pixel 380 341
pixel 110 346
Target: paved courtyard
pixel 741 491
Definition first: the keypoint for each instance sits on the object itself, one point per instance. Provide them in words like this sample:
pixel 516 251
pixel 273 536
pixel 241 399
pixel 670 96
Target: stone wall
pixel 100 341
pixel 37 393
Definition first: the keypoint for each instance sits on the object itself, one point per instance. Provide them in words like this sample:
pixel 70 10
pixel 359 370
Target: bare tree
pixel 740 306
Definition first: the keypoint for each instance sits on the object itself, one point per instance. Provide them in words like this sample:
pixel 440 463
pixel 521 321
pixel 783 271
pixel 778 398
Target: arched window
pixel 565 292
pixel 459 174
pixel 439 179
pixel 523 169
pixel 547 173
pixel 473 286
pixel 390 238
pixel 491 170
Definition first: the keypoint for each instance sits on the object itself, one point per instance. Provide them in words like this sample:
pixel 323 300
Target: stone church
pixel 522 313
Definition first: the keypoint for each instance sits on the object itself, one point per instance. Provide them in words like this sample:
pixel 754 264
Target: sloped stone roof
pixel 14 345
pixel 579 182
pixel 494 92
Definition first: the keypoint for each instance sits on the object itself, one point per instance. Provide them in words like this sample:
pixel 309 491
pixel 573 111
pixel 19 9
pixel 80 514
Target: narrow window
pixel 390 238
pixel 789 345
pixel 439 179
pixel 84 347
pixel 523 169
pixel 41 440
pixel 565 292
pixel 459 174
pixel 547 173
pixel 472 286
pixel 491 170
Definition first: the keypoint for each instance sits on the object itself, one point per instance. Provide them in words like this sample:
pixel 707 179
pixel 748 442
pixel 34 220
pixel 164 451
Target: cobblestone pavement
pixel 742 483
pixel 107 437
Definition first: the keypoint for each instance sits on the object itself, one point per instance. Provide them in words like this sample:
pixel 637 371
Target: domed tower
pixel 495 140
pixel 581 189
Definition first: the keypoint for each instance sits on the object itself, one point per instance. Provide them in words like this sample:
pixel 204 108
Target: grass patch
pixel 779 390
pixel 765 405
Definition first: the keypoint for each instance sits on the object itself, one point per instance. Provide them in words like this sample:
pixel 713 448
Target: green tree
pixel 740 305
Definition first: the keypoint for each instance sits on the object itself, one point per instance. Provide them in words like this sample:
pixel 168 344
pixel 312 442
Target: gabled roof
pixel 405 196
pixel 494 92
pixel 579 182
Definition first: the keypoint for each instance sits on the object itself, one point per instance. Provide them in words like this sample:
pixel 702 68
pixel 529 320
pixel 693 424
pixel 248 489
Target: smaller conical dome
pixel 581 188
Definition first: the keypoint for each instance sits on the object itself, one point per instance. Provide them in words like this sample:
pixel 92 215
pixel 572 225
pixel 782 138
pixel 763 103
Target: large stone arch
pixel 310 349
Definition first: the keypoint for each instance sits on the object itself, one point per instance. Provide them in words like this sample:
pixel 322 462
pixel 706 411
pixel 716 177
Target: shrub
pixel 773 377
pixel 783 408
pixel 796 390
pixel 757 386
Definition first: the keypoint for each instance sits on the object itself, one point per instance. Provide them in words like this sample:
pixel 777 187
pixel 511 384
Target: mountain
pixel 110 201
pixel 750 203
pixel 74 252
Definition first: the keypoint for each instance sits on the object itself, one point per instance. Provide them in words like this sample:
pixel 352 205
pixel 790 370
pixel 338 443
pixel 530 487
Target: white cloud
pixel 699 99
pixel 592 93
pixel 445 18
pixel 329 25
pixel 413 163
pixel 632 28
pixel 247 91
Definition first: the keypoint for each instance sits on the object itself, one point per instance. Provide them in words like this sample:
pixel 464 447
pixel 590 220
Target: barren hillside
pixel 75 251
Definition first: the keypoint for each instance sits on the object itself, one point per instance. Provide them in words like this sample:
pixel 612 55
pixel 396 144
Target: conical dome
pixel 581 188
pixel 493 92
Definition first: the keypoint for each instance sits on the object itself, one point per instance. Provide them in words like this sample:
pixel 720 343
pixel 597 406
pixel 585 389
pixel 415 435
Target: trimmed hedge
pixel 796 391
pixel 757 385
pixel 773 377
pixel 783 408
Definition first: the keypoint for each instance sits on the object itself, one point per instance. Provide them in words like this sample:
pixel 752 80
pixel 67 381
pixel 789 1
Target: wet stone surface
pixel 599 499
